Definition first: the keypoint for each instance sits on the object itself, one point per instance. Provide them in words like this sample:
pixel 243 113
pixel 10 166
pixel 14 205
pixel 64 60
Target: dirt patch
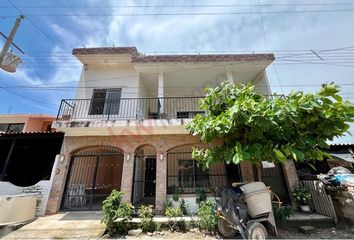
pixel 192 234
pixel 343 232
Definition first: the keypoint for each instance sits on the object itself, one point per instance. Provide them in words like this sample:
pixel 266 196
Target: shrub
pixel 183 206
pixel 145 215
pixel 192 224
pixel 200 195
pixel 172 214
pixel 176 194
pixel 207 217
pixel 113 208
pixel 158 226
pixel 166 204
pixel 302 196
pixel 281 213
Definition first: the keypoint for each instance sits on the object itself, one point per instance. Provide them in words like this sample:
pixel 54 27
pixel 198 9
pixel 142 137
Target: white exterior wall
pixel 108 76
pixel 41 189
pixel 192 205
pixel 262 84
pixel 155 81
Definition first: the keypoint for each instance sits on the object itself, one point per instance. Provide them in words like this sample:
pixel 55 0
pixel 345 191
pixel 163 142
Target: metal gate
pixel 274 177
pixel 144 184
pixel 93 174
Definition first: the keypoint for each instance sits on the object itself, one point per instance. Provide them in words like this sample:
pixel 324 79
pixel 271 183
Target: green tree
pixel 248 126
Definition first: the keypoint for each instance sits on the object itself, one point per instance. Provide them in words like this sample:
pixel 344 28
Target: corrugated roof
pixel 341 144
pixel 31 133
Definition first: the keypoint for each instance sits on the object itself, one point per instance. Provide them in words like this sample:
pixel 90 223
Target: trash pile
pixel 337 178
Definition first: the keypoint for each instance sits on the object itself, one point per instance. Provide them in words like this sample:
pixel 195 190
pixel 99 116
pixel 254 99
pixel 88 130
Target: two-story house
pixel 126 128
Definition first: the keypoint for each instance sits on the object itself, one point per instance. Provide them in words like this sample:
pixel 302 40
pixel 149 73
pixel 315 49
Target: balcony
pixel 129 108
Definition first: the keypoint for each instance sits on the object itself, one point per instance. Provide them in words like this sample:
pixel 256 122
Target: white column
pixel 160 91
pixel 229 76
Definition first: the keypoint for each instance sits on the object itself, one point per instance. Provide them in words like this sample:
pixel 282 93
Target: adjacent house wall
pixel 33 122
pixel 40 189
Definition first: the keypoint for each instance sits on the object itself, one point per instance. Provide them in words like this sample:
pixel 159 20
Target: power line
pixel 349 49
pixel 187 13
pixel 25 97
pixel 34 24
pixel 188 6
pixel 127 87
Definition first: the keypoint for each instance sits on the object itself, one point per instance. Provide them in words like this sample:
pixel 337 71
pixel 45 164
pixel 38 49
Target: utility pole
pixel 14 59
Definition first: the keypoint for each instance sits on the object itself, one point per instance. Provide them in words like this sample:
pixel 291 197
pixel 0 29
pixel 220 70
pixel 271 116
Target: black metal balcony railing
pixel 129 108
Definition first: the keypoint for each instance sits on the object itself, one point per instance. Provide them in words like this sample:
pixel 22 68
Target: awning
pixel 348 157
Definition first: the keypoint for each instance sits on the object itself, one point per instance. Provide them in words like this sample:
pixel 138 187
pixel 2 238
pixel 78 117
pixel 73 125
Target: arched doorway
pixel 93 173
pixel 144 184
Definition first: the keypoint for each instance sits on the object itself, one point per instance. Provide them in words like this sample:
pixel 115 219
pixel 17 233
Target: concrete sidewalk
pixel 62 225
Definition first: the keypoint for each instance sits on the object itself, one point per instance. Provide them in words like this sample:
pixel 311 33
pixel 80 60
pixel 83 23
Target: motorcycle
pixel 246 210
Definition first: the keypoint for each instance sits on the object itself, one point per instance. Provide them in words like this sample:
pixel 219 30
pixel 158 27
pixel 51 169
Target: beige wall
pixel 129 144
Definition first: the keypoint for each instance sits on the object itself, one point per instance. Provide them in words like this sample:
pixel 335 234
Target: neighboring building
pixel 15 123
pixel 342 155
pixel 28 149
pixel 126 128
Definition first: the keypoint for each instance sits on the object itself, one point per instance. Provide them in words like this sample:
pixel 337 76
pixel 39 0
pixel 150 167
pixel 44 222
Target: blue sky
pixel 48 40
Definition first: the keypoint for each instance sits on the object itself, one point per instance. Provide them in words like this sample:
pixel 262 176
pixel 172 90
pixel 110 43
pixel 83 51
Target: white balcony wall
pixel 105 77
pixel 262 84
pixel 108 76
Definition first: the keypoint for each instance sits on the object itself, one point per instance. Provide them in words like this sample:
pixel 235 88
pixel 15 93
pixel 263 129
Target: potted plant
pixel 303 198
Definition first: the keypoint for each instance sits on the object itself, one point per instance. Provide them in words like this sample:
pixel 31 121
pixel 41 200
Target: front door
pixel 150 177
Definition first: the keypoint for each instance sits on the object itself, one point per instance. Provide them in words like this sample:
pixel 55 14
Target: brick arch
pixel 151 150
pixel 93 172
pixel 185 146
pixel 102 148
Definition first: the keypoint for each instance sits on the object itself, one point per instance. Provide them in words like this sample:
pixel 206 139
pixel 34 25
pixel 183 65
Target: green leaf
pixel 299 155
pixel 311 166
pixel 280 156
pixel 338 98
pixel 248 126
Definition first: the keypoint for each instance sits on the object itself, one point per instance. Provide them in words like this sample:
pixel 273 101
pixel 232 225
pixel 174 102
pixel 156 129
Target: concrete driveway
pixel 62 225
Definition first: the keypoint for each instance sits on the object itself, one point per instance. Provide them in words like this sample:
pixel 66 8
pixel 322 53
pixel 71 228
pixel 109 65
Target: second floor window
pixel 105 101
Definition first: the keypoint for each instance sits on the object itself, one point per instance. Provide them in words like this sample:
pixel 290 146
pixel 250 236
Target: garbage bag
pixel 338 170
pixel 345 179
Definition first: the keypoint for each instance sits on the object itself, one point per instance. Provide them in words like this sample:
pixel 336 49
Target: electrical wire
pixel 188 6
pixel 187 13
pixel 25 97
pixel 34 24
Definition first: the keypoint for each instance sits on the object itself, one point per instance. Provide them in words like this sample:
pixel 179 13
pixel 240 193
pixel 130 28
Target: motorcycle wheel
pixel 225 230
pixel 256 231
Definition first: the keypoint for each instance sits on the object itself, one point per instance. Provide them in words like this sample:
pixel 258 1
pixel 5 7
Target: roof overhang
pixel 348 157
